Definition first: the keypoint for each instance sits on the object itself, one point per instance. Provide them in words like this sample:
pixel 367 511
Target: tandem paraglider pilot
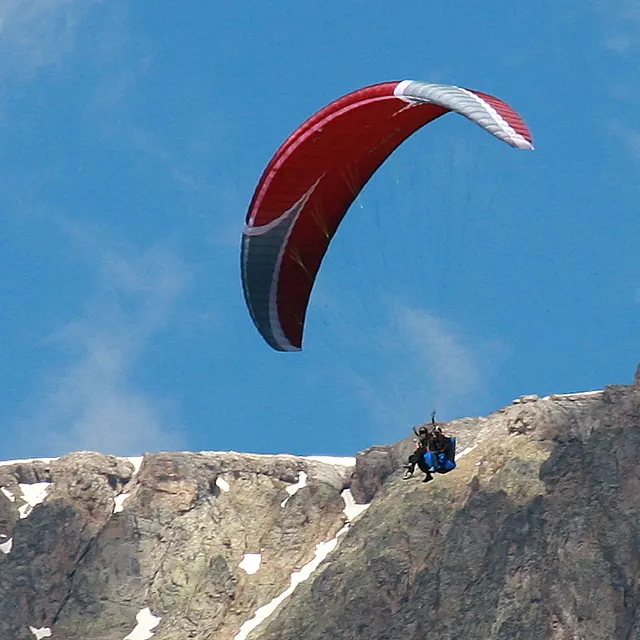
pixel 435 452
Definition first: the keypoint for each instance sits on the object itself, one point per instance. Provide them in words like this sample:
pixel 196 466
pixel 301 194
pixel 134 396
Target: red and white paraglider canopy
pixel 316 174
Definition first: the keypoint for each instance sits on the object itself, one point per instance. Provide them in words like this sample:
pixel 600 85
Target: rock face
pixel 535 535
pixel 109 540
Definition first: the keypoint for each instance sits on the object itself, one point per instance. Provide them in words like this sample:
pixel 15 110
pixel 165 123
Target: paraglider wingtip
pixel 289 348
pixel 522 143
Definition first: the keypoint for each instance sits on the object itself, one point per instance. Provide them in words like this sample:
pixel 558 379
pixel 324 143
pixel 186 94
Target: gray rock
pixel 534 535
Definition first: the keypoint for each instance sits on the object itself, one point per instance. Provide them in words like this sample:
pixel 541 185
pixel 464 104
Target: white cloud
pixel 420 363
pixel 38 33
pixel 91 401
pixel 629 137
pixel 437 366
pixel 622 24
pixel 621 39
pixel 452 365
pixel 618 42
pixel 184 149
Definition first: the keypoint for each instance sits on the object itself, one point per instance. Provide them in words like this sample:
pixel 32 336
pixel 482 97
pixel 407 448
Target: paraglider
pixel 314 177
pixel 435 452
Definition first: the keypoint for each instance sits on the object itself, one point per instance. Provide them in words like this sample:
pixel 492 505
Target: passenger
pixel 434 452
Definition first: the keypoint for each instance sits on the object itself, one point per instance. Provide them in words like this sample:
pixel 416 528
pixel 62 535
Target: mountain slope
pixel 534 535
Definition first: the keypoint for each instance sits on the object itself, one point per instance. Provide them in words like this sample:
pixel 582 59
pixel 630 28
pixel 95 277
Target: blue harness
pixel 441 462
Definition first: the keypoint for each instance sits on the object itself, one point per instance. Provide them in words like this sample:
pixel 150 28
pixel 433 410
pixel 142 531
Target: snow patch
pixel 322 551
pixel 146 622
pixel 5 547
pixel 294 488
pixel 251 563
pixel 8 494
pixel 340 461
pixel 119 502
pixel 222 484
pixel 136 461
pixel 466 451
pixel 32 494
pixel 42 632
pixel 6 463
pixel 351 509
pixel 571 396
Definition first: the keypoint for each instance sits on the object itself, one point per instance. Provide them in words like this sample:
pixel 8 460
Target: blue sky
pixel 466 274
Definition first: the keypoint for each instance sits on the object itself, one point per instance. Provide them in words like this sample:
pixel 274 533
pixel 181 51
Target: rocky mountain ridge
pixel 535 535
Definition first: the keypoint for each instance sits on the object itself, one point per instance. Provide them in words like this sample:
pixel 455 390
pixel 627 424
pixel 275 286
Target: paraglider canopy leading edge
pixel 313 178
